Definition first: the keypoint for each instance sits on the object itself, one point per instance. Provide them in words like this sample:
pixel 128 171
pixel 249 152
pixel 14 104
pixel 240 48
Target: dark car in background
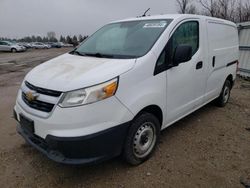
pixel 56 44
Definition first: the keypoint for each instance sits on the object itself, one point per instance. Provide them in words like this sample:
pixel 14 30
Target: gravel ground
pixel 209 148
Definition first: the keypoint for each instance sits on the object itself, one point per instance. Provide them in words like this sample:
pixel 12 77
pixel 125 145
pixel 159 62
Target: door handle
pixel 213 64
pixel 199 65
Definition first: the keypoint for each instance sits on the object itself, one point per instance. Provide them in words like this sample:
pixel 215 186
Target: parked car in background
pixel 55 44
pixel 8 46
pixel 68 45
pixel 23 47
pixel 25 44
pixel 39 45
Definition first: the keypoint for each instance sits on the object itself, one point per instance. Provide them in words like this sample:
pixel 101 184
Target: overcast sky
pixel 20 18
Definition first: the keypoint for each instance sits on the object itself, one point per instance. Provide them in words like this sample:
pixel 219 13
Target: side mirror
pixel 182 53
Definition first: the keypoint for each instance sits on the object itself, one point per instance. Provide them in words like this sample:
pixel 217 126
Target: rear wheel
pixel 13 50
pixel 223 99
pixel 141 139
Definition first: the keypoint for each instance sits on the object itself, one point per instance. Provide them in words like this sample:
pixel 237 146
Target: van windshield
pixel 123 40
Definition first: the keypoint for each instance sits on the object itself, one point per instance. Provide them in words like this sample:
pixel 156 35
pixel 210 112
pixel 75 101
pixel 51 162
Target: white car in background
pixel 39 45
pixel 7 46
pixel 67 45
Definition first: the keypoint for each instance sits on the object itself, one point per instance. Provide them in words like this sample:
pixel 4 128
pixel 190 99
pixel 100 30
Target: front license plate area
pixel 26 124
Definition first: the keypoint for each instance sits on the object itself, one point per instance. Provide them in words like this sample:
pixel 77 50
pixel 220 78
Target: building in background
pixel 244 59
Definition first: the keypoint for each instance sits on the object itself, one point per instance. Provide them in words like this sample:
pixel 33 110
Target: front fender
pixel 138 93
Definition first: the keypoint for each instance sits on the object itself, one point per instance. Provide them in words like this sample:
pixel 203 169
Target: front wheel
pixel 223 99
pixel 141 139
pixel 13 50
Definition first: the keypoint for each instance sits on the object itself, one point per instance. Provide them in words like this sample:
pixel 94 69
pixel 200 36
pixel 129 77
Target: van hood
pixel 69 72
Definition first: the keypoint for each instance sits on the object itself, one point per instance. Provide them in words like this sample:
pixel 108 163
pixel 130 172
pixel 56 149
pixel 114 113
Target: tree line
pixel 233 10
pixel 51 37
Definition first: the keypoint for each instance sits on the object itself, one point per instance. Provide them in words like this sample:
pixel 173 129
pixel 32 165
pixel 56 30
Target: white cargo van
pixel 131 79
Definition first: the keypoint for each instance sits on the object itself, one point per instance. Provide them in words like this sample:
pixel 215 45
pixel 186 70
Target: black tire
pixel 13 50
pixel 141 130
pixel 223 99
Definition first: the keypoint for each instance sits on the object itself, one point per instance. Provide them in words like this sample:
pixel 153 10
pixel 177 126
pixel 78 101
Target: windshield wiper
pixel 77 52
pixel 99 55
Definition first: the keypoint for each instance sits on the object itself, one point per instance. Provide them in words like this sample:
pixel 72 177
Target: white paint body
pixel 39 45
pixel 7 47
pixel 177 91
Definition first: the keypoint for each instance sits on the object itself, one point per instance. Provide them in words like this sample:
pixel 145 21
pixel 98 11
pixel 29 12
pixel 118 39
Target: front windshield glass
pixel 124 40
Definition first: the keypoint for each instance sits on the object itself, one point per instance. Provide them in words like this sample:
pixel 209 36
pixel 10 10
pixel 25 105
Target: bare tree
pixel 227 9
pixel 186 7
pixel 210 7
pixel 234 10
pixel 246 12
pixel 224 5
pixel 239 10
pixel 182 5
pixel 192 9
pixel 51 34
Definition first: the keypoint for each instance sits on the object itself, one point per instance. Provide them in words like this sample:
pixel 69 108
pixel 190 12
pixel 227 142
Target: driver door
pixel 183 89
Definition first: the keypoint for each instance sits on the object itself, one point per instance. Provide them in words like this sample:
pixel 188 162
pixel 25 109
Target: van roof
pixel 178 16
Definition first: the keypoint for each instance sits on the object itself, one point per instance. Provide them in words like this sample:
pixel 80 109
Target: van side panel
pixel 222 50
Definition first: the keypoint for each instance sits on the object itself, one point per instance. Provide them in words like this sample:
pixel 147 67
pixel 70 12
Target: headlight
pixel 89 95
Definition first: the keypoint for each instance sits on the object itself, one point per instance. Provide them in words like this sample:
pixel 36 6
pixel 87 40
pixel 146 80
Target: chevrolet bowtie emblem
pixel 31 96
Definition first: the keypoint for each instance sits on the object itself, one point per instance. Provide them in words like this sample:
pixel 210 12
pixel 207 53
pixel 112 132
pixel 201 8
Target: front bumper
pixel 79 135
pixel 78 121
pixel 88 149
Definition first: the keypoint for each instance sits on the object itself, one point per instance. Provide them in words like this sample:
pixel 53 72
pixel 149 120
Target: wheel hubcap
pixel 226 94
pixel 144 140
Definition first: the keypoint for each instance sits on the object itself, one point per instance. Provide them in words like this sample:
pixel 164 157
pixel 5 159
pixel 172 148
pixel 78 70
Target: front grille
pixel 38 105
pixel 43 91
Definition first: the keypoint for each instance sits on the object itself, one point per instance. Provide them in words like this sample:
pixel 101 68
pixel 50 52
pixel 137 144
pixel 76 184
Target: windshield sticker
pixel 155 25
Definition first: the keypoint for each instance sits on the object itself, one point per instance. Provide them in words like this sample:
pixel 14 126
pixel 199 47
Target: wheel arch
pixel 13 48
pixel 230 78
pixel 153 109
